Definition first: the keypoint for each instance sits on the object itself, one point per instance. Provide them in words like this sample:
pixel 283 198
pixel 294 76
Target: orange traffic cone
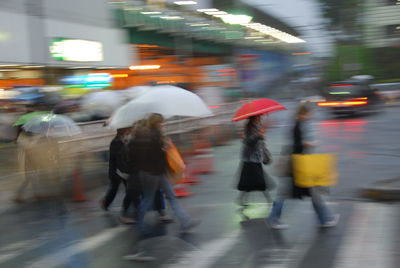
pixel 78 193
pixel 204 159
pixel 182 190
pixel 190 176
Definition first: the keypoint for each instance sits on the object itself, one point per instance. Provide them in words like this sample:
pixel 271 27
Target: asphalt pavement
pixel 58 233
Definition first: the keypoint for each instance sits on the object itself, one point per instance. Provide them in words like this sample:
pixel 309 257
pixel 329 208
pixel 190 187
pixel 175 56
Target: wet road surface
pixel 65 234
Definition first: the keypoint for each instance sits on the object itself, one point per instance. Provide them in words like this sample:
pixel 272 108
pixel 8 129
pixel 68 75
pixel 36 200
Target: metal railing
pixel 96 136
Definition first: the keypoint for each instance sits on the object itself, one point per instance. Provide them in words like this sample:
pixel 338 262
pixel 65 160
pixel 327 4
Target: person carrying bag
pixel 305 176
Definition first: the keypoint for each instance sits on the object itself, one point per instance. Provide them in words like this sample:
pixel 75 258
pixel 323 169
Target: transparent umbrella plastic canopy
pixel 102 103
pixel 168 101
pixel 52 125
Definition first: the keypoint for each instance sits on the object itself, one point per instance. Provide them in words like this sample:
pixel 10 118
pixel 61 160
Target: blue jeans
pixel 321 209
pixel 150 185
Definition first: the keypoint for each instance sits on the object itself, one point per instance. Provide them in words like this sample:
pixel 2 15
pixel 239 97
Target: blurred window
pixel 392 2
pixel 393 31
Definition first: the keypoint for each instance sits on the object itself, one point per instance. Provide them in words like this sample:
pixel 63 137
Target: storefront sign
pixel 64 49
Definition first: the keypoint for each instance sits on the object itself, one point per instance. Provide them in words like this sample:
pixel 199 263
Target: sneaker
pixel 139 256
pixel 126 220
pixel 277 225
pixel 166 219
pixel 189 225
pixel 331 223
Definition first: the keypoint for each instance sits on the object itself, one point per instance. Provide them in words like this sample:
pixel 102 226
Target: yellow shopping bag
pixel 311 170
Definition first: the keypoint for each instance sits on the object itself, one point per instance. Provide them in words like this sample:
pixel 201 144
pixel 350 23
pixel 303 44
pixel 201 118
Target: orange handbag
pixel 176 166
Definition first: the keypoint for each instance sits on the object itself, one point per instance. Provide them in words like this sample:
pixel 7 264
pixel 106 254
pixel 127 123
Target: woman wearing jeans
pixel 150 158
pixel 301 144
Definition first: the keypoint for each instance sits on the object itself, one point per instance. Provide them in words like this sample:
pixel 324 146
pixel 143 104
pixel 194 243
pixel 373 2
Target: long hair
pixel 303 109
pixel 121 132
pixel 154 125
pixel 252 125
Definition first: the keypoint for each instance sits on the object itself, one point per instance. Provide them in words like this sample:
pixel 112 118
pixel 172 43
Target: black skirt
pixel 252 177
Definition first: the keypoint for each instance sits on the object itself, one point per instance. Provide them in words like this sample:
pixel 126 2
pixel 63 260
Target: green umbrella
pixel 24 118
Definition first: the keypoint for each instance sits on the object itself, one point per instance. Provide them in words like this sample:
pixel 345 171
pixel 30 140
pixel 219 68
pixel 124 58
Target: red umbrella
pixel 257 107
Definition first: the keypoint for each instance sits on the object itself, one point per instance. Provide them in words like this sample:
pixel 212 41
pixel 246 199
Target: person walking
pixel 116 177
pixel 149 155
pixel 254 155
pixel 302 143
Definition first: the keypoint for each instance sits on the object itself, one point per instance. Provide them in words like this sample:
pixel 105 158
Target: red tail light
pixel 338 103
pixel 348 85
pixel 328 103
pixel 355 102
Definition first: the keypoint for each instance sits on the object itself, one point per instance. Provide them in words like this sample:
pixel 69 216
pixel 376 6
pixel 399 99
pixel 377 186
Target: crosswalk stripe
pixel 16 249
pixel 368 241
pixel 61 256
pixel 208 253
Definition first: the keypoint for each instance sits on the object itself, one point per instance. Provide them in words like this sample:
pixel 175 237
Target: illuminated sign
pixel 64 49
pixel 93 80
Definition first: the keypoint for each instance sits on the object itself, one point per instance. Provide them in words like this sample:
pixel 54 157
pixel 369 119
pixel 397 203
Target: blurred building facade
pixel 381 23
pixel 41 34
pixel 194 45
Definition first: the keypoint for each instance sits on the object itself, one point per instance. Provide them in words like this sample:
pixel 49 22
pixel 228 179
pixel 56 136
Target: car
pixel 350 97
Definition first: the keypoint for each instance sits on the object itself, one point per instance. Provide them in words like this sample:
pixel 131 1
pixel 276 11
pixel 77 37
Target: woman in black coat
pixel 115 177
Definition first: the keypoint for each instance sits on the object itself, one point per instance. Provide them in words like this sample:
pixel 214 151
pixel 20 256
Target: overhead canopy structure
pixel 205 30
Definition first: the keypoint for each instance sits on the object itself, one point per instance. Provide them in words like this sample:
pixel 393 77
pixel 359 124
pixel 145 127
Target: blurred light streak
pixel 339 92
pixel 119 75
pixel 150 12
pixel 302 53
pixel 226 70
pixel 207 10
pixel 172 18
pixel 339 103
pixel 342 85
pixel 214 107
pixel 236 19
pixel 355 102
pixel 183 3
pixel 144 67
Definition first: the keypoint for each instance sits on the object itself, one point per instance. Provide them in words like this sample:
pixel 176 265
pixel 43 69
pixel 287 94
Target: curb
pixel 383 192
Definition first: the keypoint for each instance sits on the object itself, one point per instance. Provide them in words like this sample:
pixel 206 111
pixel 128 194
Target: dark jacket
pixel 299 148
pixel 115 148
pixel 253 148
pixel 149 154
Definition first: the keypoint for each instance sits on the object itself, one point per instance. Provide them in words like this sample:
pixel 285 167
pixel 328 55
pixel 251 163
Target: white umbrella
pixel 166 100
pixel 134 92
pixel 102 103
pixel 52 125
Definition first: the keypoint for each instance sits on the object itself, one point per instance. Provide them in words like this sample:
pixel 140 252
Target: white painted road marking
pixel 16 249
pixel 208 254
pixel 368 242
pixel 61 256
